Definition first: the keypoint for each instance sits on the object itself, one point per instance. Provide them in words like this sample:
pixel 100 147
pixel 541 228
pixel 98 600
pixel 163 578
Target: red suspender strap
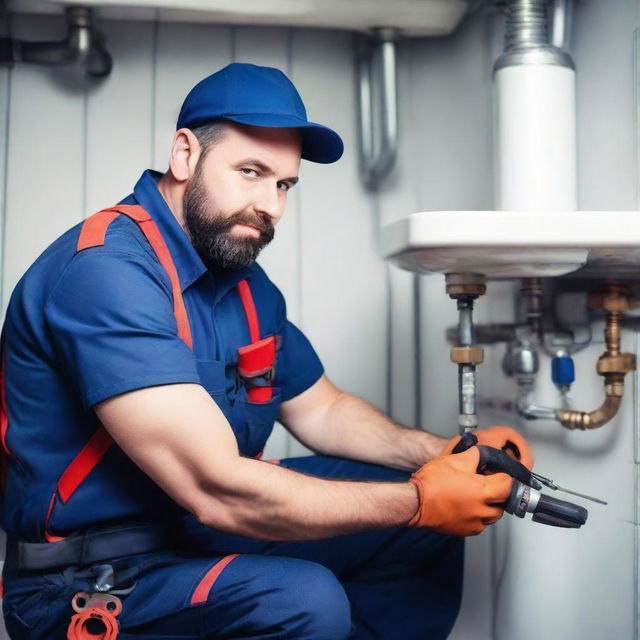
pixel 82 465
pixel 250 310
pixel 5 452
pixel 94 229
pixel 93 234
pixel 153 235
pixel 4 420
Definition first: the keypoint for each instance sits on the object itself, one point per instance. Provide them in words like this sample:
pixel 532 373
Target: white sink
pixel 517 244
pixel 413 17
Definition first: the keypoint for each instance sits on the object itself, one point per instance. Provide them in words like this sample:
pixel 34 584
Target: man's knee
pixel 316 604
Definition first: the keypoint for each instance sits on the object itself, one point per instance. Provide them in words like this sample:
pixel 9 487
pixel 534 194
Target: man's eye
pixel 251 173
pixel 284 186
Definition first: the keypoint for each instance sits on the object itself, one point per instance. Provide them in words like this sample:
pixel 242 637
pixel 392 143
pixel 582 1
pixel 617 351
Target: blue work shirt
pixel 85 326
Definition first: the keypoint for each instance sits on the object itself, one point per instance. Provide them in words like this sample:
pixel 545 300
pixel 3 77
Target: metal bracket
pixel 377 57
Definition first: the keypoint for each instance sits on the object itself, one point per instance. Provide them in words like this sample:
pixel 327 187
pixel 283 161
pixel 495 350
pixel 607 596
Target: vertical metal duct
pixel 377 74
pixel 535 141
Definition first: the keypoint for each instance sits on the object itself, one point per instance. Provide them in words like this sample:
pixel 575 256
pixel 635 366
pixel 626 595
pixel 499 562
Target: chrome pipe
pixel 82 46
pixel 561 23
pixel 376 165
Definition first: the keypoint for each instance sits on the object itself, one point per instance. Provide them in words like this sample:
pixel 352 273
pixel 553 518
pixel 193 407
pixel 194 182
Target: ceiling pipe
pixel 378 136
pixel 82 46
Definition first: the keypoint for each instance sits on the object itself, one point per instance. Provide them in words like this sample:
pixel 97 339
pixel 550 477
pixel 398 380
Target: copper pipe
pixel 582 420
pixel 612 333
pixel 612 364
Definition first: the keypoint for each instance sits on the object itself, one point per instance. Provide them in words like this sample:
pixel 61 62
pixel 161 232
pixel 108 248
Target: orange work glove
pixel 500 437
pixel 454 499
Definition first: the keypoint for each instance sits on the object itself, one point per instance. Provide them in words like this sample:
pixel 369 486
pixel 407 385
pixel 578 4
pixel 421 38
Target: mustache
pixel 261 223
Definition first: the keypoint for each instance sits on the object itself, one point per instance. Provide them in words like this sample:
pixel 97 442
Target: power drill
pixel 525 494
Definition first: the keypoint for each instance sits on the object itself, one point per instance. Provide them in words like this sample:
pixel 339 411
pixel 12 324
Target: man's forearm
pixel 352 428
pixel 269 502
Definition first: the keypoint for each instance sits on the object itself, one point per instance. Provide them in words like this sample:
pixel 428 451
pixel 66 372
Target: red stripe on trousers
pixel 201 594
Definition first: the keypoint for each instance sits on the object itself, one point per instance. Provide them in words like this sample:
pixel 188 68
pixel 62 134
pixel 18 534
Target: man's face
pixel 238 192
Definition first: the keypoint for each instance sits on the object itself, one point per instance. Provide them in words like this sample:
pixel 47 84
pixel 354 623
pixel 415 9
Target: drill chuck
pixel 545 508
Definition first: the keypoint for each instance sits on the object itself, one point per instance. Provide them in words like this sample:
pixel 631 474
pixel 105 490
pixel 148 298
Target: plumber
pixel 146 357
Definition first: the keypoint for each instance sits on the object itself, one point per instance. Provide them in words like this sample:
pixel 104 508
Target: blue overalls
pixel 86 325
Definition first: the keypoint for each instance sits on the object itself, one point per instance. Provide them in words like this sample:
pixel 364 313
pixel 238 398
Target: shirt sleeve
pixel 112 326
pixel 299 366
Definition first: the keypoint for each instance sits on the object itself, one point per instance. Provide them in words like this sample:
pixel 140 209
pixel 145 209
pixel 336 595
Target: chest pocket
pixel 259 419
pixel 251 422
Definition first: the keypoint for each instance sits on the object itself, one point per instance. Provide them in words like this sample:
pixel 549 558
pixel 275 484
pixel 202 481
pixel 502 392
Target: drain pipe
pixel 378 136
pixel 83 45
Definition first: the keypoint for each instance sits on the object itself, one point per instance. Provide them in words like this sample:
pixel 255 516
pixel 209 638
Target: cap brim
pixel 319 143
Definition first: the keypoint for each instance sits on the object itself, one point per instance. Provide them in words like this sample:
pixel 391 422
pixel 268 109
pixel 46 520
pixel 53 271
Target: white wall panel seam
pixel 154 90
pixel 636 461
pixel 5 95
pixel 416 284
pixel 636 102
pixel 233 40
pixel 298 208
pixel 85 152
pixel 6 81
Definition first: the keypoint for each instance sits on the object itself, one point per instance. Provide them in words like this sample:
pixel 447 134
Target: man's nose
pixel 269 200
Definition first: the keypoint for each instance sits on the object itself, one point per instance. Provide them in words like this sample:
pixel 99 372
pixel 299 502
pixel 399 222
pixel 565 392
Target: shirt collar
pixel 188 263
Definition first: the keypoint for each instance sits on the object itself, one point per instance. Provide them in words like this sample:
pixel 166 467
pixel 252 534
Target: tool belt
pixel 89 547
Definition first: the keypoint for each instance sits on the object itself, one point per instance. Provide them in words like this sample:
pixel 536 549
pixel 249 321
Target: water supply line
pixel 82 46
pixel 378 136
pixel 521 360
pixel 464 288
pixel 613 365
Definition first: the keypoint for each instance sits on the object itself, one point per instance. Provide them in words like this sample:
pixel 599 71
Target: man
pixel 147 357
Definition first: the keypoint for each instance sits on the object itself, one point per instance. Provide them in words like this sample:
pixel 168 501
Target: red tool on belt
pixel 95 617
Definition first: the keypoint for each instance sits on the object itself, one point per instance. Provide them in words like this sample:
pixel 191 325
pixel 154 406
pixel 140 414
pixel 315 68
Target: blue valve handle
pixel 563 372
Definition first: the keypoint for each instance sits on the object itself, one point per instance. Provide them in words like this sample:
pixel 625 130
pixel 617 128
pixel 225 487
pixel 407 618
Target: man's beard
pixel 211 232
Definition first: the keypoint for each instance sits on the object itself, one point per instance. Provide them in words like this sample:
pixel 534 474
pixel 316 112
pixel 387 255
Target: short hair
pixel 209 134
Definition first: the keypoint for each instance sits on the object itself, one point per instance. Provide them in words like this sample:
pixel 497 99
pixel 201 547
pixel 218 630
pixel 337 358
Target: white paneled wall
pixel 73 149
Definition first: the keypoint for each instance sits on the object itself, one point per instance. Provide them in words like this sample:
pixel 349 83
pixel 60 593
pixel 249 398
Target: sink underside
pixel 517 244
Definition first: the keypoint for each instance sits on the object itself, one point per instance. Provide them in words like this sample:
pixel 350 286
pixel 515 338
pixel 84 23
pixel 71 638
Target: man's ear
pixel 185 152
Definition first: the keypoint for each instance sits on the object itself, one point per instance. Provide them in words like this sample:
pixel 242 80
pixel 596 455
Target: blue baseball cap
pixel 262 97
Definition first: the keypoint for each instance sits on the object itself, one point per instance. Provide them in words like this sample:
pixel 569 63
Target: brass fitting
pixel 460 285
pixel 614 388
pixel 467 355
pixel 614 298
pixel 621 363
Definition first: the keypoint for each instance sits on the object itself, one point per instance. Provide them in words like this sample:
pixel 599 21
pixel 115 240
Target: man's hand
pixel 456 500
pixel 500 437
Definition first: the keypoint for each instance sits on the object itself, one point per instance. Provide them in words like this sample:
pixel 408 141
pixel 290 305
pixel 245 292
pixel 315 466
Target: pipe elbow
pixel 592 420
